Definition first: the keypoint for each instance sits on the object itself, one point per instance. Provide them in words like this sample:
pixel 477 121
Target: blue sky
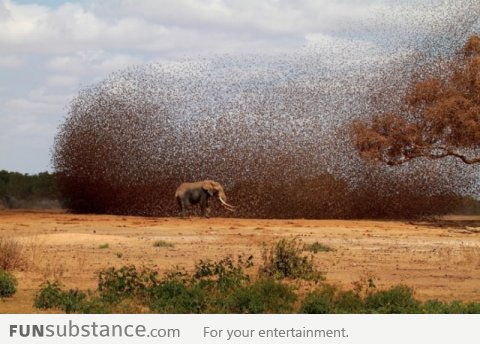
pixel 50 49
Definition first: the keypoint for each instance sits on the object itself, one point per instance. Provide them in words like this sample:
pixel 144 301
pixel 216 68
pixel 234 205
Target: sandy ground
pixel 440 259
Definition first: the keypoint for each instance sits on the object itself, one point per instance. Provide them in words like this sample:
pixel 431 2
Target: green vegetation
pixel 49 296
pixel 265 295
pixel 177 296
pixel 8 284
pixel 454 307
pixel 234 285
pixel 117 284
pixel 19 190
pixel 103 246
pixel 327 299
pixel 396 300
pixel 72 301
pixel 286 260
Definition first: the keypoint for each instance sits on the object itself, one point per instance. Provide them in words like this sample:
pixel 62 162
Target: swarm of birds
pixel 274 129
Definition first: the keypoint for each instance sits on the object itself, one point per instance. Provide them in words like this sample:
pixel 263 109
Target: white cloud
pixel 32 107
pixel 11 61
pixel 26 125
pixel 175 27
pixel 165 26
pixel 91 62
pixel 61 81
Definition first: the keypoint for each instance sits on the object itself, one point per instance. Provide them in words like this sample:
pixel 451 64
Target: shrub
pixel 472 308
pixel 94 305
pixel 10 254
pixel 455 307
pixel 396 300
pixel 224 274
pixel 265 295
pixel 328 299
pixel 286 260
pixel 349 302
pixel 113 284
pixel 49 296
pixel 72 301
pixel 176 296
pixel 8 284
pixel 320 301
pixel 436 307
pixel 103 246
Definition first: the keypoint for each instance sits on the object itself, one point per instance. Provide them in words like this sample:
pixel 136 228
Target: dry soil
pixel 438 258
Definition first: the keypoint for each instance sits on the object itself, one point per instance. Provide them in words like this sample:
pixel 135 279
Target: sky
pixel 49 50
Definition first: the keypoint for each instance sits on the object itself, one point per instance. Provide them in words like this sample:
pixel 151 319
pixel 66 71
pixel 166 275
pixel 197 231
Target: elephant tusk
pixel 226 205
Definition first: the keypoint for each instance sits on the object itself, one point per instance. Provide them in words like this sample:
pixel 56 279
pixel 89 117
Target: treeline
pixel 18 190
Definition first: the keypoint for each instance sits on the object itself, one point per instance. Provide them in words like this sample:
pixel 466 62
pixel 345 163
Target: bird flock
pixel 274 129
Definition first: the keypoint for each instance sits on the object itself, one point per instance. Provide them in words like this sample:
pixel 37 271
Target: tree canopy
pixel 441 118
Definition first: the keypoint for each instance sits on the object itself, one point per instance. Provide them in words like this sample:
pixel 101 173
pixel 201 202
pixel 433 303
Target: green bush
pixel 72 301
pixel 436 307
pixel 224 274
pixel 176 296
pixel 286 260
pixel 94 305
pixel 8 284
pixel 52 296
pixel 472 308
pixel 265 295
pixel 396 300
pixel 454 307
pixel 115 284
pixel 328 299
pixel 349 302
pixel 49 296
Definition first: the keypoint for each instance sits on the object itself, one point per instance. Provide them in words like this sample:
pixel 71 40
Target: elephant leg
pixel 183 203
pixel 204 207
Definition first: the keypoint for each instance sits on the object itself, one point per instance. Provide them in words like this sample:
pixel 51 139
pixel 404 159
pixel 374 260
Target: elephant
pixel 199 192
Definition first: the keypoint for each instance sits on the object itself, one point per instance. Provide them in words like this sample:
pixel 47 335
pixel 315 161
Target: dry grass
pixel 11 254
pixel 55 270
pixel 461 255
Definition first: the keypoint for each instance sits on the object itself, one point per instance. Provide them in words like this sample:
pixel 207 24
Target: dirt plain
pixel 438 258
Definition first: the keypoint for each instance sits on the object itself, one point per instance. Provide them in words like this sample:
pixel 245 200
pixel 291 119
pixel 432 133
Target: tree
pixel 441 118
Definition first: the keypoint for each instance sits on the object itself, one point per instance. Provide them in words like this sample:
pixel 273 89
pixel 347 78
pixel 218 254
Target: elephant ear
pixel 208 186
